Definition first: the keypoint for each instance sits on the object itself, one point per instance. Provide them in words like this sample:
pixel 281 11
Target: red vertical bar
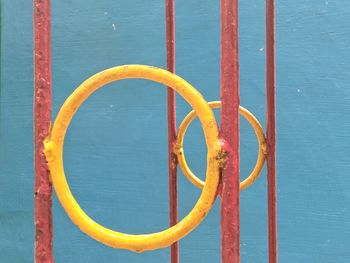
pixel 230 226
pixel 171 102
pixel 271 128
pixel 42 119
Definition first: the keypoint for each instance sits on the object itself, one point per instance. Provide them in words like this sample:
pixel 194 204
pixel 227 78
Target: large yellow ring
pixel 259 134
pixel 54 149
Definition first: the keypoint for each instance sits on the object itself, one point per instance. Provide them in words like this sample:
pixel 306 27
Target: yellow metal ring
pixel 54 150
pixel 259 134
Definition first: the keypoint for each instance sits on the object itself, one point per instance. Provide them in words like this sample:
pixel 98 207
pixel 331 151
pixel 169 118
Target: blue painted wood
pixel 123 184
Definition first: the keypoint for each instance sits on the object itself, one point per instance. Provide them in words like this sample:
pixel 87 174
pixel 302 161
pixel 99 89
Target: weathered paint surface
pixel 117 164
pixel 229 94
pixel 42 120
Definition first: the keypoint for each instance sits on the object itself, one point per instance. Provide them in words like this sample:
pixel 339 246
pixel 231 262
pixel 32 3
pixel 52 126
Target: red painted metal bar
pixel 42 120
pixel 271 128
pixel 230 224
pixel 171 102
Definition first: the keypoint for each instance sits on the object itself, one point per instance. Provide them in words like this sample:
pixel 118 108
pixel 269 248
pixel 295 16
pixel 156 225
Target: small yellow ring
pixel 54 151
pixel 259 134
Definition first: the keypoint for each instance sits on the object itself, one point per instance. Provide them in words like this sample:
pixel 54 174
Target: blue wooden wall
pixel 115 152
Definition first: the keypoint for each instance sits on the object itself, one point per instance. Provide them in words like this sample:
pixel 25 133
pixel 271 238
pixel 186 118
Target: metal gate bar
pixel 42 121
pixel 171 108
pixel 229 90
pixel 271 128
